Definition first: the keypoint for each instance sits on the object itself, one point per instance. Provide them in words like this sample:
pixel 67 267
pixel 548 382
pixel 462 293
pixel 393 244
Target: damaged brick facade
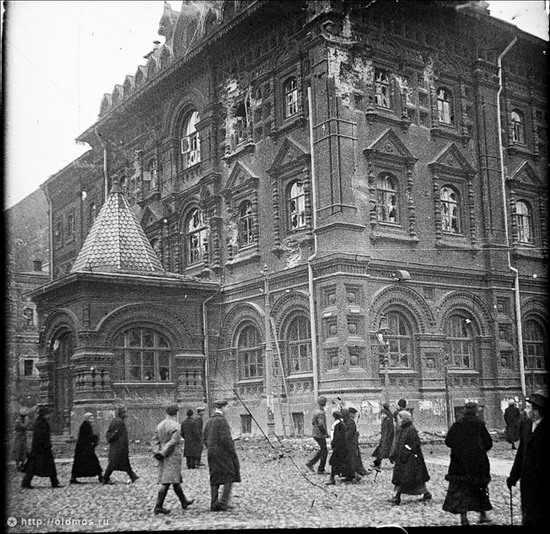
pixel 392 212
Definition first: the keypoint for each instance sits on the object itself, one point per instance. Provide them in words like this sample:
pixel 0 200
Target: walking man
pixel 117 437
pixel 86 463
pixel 512 418
pixel 386 436
pixel 531 462
pixel 167 447
pixel 41 462
pixel 223 462
pixel 320 435
pixel 192 445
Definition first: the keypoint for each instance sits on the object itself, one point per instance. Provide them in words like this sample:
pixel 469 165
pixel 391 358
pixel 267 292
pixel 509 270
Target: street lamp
pixel 384 347
pixel 268 357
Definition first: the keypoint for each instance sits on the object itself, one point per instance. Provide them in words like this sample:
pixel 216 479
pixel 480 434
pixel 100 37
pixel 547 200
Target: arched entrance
pixel 62 348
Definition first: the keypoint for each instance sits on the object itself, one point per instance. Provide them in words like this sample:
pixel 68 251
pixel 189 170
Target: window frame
pixel 533 348
pixel 250 356
pixel 246 234
pixel 195 254
pixel 379 86
pixel 382 195
pixel 517 127
pixel 190 141
pixel 446 215
pixel 526 222
pixel 397 340
pixel 456 359
pixel 301 211
pixel 304 363
pixel 290 97
pixel 127 351
pixel 445 106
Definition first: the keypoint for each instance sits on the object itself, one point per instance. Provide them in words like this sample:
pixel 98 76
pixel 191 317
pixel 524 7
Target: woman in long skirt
pixel 469 469
pixel 409 472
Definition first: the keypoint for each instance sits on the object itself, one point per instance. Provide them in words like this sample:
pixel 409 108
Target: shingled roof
pixel 117 242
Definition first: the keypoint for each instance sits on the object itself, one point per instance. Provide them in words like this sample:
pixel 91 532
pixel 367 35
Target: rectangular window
pixel 246 424
pixel 382 89
pixel 28 367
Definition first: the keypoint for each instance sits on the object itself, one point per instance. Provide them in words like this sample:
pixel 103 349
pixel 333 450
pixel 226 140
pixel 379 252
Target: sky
pixel 60 57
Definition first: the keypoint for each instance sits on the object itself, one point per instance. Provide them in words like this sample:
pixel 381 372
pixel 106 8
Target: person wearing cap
pixel 193 444
pixel 512 418
pixel 469 471
pixel 387 432
pixel 20 447
pixel 223 462
pixel 117 437
pixel 531 462
pixel 320 435
pixel 199 425
pixel 409 472
pixel 85 462
pixel 41 462
pixel 167 452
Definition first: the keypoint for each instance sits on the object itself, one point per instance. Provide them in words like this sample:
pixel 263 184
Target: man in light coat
pixel 167 447
pixel 223 462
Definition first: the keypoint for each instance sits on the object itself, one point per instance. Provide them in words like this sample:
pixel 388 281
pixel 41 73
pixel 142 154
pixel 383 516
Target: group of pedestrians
pixel 469 469
pixel 215 435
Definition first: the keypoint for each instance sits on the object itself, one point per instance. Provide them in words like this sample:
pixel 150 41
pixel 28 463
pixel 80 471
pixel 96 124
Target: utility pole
pixel 268 358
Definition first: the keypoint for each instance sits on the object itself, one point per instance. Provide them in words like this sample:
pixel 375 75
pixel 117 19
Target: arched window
pixel 386 198
pixel 518 126
pixel 533 345
pixel 70 226
pixel 460 341
pixel 524 222
pixel 382 89
pixel 190 142
pixel 444 106
pixel 142 355
pixel 399 340
pixel 246 224
pixel 450 210
pixel 296 202
pixel 250 355
pixel 298 342
pixel 196 237
pixel 290 90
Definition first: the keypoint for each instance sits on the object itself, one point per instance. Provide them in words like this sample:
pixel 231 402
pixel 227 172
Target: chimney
pixel 37 266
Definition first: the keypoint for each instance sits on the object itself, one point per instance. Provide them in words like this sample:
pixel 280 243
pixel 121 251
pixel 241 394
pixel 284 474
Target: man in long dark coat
pixel 531 463
pixel 86 463
pixel 117 437
pixel 409 472
pixel 167 451
pixel 512 418
pixel 386 437
pixel 192 441
pixel 41 462
pixel 223 462
pixel 469 470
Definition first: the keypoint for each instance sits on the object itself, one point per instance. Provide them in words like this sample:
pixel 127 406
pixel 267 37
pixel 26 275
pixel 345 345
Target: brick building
pixel 300 198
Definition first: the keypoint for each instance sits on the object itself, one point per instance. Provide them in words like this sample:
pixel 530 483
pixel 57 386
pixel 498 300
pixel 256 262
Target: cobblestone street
pixel 274 493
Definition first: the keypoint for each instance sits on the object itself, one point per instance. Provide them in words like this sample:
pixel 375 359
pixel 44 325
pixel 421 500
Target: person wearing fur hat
pixel 409 472
pixel 386 436
pixel 320 435
pixel 223 462
pixel 531 462
pixel 167 452
pixel 469 470
pixel 41 462
pixel 85 462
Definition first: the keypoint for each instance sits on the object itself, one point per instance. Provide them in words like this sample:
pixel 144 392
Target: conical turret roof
pixel 117 242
